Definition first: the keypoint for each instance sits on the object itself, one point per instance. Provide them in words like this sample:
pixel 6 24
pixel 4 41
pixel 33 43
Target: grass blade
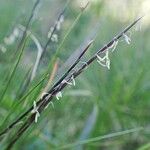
pixel 99 138
pixel 145 147
pixel 64 39
pixel 16 105
pixel 13 71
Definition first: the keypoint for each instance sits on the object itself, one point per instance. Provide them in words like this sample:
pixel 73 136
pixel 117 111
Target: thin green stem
pixel 14 106
pixel 13 71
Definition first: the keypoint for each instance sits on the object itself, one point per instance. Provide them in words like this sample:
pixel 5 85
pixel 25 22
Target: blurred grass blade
pixel 136 83
pixel 33 12
pixel 108 136
pixel 23 84
pixel 13 71
pixel 52 76
pixel 64 39
pixel 14 106
pixel 145 147
pixel 54 29
pixel 39 50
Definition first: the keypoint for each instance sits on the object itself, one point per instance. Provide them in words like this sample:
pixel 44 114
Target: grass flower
pixel 105 61
pixel 16 32
pixel 85 63
pixel 50 103
pixel 127 38
pixel 54 38
pixel 73 80
pixel 114 45
pixel 59 95
pixel 65 81
pixel 50 32
pixel 59 22
pixel 35 111
pixel 12 37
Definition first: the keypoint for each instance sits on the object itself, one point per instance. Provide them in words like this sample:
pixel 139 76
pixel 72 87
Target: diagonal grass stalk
pixel 13 70
pixel 21 90
pixel 145 147
pixel 44 101
pixel 36 4
pixel 14 106
pixel 68 71
pixel 64 39
pixel 99 138
pixel 54 29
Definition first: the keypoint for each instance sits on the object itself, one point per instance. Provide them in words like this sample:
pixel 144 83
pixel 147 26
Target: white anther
pixel 54 38
pixel 50 32
pixel 138 27
pixel 114 45
pixel 83 62
pixel 65 81
pixel 103 60
pixel 35 111
pixel 58 26
pixel 107 59
pixel 73 80
pixel 50 103
pixel 104 65
pixel 127 39
pixel 59 95
pixel 61 20
pixel 16 32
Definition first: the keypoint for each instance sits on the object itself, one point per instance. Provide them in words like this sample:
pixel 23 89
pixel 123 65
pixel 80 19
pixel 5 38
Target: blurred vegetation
pixel 103 101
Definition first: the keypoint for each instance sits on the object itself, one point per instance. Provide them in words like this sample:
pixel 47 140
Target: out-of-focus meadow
pixel 103 101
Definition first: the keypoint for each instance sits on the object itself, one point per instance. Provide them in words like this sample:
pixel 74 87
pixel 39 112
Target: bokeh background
pixel 103 101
